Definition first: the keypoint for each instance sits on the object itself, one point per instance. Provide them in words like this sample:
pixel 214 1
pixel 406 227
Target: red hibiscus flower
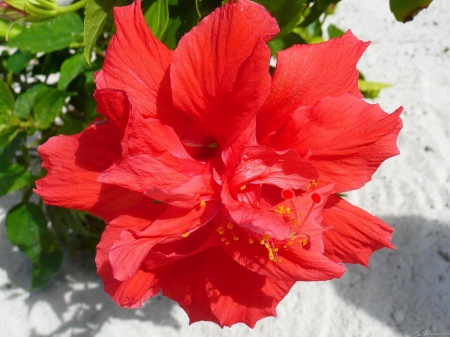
pixel 217 181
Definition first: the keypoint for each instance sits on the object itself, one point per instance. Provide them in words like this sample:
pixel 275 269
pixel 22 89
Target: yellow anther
pixel 262 242
pixel 235 238
pixel 243 187
pixel 202 203
pixel 250 241
pixel 227 243
pixel 229 225
pixel 288 210
pixel 303 242
pixel 222 239
pixel 267 245
pixel 266 237
pixel 185 235
pixel 220 230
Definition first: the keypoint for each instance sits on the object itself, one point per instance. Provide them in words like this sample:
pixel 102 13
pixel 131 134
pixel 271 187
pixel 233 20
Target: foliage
pixel 68 44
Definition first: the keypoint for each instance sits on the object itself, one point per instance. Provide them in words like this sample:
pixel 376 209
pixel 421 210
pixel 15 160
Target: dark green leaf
pixel 405 10
pixel 183 17
pixel 18 61
pixel 287 12
pixel 54 34
pixel 96 14
pixel 13 177
pixel 70 69
pixel 157 17
pixel 26 101
pixel 48 265
pixel 26 227
pixel 6 98
pixel 48 107
pixel 8 152
pixel 317 10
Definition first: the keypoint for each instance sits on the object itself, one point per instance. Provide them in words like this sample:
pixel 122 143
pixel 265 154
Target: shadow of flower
pixel 407 289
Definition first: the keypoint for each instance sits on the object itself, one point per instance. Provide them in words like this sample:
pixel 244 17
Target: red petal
pixel 256 220
pixel 74 163
pixel 239 295
pixel 355 234
pixel 139 173
pixel 263 165
pixel 307 73
pixel 220 70
pixel 114 105
pixel 345 138
pixel 210 286
pixel 137 62
pixel 128 252
pixel 133 292
pixel 297 263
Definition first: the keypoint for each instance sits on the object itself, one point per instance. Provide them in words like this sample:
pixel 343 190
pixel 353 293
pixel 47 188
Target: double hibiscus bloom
pixel 219 182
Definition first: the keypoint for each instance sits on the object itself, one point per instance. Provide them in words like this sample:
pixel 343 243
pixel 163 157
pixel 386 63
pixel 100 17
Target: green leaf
pixel 157 17
pixel 183 17
pixel 287 12
pixel 96 14
pixel 18 61
pixel 8 152
pixel 48 107
pixel 26 227
pixel 54 34
pixel 371 89
pixel 406 10
pixel 13 178
pixel 70 69
pixel 25 101
pixel 334 32
pixel 317 10
pixel 9 32
pixel 6 98
pixel 48 265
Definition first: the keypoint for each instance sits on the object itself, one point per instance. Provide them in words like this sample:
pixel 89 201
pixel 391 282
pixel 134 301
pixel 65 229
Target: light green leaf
pixel 371 89
pixel 70 69
pixel 8 31
pixel 6 98
pixel 157 17
pixel 48 107
pixel 54 34
pixel 95 15
pixel 405 10
pixel 334 31
pixel 13 178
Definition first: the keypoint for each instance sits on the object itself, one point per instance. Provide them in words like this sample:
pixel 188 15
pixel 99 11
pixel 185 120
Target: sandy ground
pixel 403 293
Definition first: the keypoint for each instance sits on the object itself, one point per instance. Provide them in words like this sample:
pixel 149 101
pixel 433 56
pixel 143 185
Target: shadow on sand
pixel 409 287
pixel 76 296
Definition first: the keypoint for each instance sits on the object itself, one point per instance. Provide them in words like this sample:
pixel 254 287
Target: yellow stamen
pixel 185 235
pixel 243 187
pixel 202 203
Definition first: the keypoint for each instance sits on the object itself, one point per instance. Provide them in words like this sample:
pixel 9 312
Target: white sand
pixel 402 292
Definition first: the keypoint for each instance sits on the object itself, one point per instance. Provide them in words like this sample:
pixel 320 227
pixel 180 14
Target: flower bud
pixel 12 12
